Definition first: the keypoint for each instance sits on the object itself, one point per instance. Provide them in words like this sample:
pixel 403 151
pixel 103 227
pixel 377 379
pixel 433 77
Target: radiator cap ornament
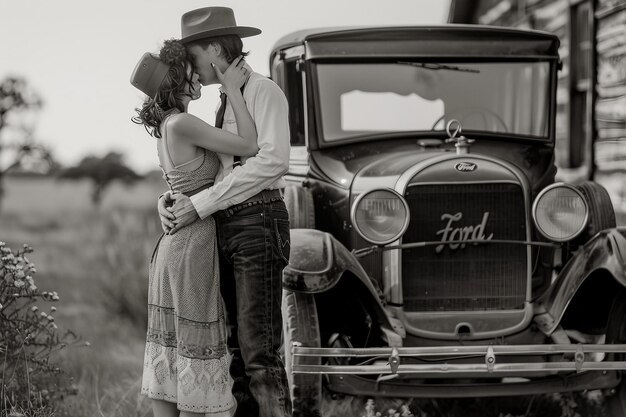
pixel 461 143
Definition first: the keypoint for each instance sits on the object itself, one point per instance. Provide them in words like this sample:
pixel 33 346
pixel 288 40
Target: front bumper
pixel 384 371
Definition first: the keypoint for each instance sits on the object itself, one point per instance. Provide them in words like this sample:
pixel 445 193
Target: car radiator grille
pixel 473 277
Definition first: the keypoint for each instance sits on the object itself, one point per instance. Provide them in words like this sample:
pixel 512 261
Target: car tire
pixel 601 212
pixel 616 333
pixel 301 325
pixel 299 202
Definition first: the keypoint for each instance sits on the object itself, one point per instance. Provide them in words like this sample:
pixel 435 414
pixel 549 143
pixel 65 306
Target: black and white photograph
pixel 413 208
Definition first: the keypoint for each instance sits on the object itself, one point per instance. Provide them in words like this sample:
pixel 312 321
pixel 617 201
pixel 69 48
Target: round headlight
pixel 380 216
pixel 560 212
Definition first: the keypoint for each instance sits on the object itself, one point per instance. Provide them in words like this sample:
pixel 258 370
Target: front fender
pixel 317 262
pixel 605 251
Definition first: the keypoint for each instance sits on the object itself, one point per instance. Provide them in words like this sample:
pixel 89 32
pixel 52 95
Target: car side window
pixel 293 91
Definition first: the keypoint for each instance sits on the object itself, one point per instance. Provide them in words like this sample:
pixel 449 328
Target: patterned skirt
pixel 186 358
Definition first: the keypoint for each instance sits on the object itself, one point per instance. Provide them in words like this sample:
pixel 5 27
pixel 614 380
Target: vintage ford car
pixel 433 253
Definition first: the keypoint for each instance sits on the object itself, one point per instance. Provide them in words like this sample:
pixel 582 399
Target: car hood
pixel 380 164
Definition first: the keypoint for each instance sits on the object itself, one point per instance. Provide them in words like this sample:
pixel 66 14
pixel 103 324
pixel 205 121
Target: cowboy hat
pixel 209 22
pixel 148 74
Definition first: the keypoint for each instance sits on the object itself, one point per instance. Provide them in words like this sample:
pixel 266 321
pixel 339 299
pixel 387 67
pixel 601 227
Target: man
pixel 251 217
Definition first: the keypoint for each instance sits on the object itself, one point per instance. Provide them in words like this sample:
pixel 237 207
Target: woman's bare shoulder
pixel 183 123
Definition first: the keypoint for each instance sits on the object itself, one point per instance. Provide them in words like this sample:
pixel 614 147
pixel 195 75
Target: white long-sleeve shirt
pixel 268 106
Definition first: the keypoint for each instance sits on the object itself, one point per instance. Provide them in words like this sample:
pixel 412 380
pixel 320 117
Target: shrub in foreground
pixel 30 382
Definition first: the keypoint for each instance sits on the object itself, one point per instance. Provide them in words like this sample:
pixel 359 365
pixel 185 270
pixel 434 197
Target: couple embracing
pixel 226 237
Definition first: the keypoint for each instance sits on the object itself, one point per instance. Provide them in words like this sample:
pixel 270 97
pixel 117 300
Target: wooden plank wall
pixel 610 109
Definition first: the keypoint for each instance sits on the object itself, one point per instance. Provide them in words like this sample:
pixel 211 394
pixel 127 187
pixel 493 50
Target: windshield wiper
pixel 435 66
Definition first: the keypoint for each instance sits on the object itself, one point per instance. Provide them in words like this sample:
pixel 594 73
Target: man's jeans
pixel 254 243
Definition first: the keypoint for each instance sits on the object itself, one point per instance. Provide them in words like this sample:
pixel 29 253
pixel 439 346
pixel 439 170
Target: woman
pixel 186 364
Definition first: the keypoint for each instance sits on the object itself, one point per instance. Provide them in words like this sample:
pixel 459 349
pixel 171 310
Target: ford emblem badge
pixel 466 167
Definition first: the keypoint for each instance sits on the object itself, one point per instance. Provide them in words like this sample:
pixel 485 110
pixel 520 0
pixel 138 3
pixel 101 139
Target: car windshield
pixel 362 99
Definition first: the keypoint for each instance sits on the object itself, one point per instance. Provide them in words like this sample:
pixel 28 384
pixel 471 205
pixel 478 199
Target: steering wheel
pixel 463 115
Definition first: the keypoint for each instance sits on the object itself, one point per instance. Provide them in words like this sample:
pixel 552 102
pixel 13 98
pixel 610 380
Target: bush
pixel 30 382
pixel 370 410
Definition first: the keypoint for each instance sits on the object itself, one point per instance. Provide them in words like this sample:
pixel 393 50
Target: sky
pixel 78 55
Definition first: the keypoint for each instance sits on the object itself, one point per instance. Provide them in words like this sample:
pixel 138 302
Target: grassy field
pixel 96 259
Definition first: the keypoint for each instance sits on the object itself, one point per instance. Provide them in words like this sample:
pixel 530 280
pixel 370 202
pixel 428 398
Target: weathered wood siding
pixel 608 147
pixel 610 108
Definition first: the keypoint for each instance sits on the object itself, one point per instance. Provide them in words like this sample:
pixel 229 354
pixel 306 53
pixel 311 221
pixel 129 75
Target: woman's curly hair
pixel 171 91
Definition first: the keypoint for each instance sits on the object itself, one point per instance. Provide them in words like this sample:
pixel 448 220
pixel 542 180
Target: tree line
pixel 20 150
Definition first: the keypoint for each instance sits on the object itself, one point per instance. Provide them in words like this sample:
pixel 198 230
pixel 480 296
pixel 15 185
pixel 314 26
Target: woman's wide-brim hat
pixel 210 22
pixel 149 73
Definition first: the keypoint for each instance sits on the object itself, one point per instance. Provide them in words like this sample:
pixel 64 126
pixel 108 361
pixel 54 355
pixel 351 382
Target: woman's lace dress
pixel 186 359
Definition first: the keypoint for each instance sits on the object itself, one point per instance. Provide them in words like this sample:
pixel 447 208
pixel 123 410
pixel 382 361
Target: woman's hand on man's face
pixel 234 77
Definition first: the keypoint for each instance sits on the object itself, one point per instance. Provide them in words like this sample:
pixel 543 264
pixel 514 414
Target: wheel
pixel 463 115
pixel 616 333
pixel 301 325
pixel 601 212
pixel 299 202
